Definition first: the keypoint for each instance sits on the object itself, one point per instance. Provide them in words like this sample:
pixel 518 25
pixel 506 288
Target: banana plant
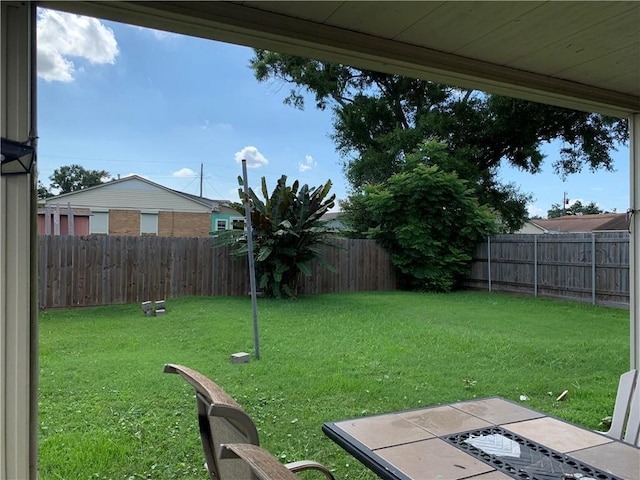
pixel 287 231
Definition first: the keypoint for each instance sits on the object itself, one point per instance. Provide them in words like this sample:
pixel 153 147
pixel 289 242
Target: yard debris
pixel 240 357
pixel 523 398
pixel 562 396
pixel 147 309
pixel 150 310
pixel 605 423
pixel 160 308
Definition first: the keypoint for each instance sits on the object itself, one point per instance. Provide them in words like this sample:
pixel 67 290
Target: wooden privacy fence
pixel 105 270
pixel 587 267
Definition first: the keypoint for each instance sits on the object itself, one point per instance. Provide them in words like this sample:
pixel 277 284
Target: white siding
pixel 131 194
pixel 529 227
pixel 18 309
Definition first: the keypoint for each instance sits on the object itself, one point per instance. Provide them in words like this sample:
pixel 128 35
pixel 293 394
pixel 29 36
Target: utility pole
pixel 201 177
pixel 565 200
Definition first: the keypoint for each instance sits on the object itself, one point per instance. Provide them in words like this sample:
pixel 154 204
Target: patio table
pixel 484 439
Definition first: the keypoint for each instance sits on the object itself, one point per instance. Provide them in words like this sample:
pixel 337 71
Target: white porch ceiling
pixel 579 54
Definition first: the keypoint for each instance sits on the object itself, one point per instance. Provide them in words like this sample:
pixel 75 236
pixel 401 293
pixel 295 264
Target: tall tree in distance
pixel 43 192
pixel 72 178
pixel 576 208
pixel 379 119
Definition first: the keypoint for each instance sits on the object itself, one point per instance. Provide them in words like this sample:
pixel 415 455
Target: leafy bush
pixel 429 220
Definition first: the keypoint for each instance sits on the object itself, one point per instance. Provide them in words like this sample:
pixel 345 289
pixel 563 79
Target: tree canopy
pixel 71 178
pixel 576 208
pixel 380 119
pixel 43 192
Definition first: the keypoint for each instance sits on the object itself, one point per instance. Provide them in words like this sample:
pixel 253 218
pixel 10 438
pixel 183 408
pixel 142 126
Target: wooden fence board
pixel 103 270
pixel 565 264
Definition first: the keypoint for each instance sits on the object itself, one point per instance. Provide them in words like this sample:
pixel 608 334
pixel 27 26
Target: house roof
pixel 619 223
pixel 143 201
pixel 332 216
pixel 581 55
pixel 583 223
pixel 214 204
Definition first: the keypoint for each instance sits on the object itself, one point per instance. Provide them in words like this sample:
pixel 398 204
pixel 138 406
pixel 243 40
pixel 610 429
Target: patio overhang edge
pixel 234 23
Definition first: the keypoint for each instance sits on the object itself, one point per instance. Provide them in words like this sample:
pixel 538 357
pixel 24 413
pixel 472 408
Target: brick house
pixel 223 216
pixel 134 206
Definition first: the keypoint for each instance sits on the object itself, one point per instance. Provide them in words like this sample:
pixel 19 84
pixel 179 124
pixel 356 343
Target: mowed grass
pixel 108 412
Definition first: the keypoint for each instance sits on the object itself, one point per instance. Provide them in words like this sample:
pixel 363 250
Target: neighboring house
pixel 224 217
pixel 335 220
pixel 606 222
pixel 63 221
pixel 136 206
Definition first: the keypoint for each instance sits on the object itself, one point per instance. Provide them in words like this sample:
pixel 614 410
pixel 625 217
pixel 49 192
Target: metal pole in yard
pixel 593 268
pixel 489 260
pixel 252 271
pixel 535 265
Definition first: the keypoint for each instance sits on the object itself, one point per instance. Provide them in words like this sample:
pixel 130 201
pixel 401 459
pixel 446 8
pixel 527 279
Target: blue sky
pixel 135 101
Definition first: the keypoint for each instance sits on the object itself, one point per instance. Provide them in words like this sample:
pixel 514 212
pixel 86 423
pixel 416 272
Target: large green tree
pixel 287 231
pixel 71 178
pixel 429 220
pixel 379 119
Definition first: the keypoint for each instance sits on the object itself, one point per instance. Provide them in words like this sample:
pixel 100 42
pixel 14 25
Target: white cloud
pixel 161 34
pixel 223 127
pixel 535 211
pixel 184 173
pixel 63 35
pixel 308 164
pixel 253 157
pixel 52 66
pixel 158 34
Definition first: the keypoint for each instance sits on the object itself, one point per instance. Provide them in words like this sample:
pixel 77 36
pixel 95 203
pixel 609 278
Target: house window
pixel 99 222
pixel 148 224
pixel 237 223
pixel 221 225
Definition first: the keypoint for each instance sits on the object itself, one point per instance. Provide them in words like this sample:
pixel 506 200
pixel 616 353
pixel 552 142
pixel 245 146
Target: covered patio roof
pixel 583 55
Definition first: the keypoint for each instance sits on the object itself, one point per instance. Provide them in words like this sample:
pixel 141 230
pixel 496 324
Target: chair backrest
pixel 262 464
pixel 625 422
pixel 220 420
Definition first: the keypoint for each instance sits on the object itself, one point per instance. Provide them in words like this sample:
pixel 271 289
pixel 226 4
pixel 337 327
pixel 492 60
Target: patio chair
pixel 222 420
pixel 625 421
pixel 262 464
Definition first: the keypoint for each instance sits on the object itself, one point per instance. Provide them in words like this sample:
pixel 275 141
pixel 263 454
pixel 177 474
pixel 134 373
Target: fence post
pixel 70 220
pixel 489 260
pixel 593 268
pixel 535 265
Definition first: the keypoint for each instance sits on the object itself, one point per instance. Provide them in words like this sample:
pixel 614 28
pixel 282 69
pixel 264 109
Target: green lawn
pixel 108 412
